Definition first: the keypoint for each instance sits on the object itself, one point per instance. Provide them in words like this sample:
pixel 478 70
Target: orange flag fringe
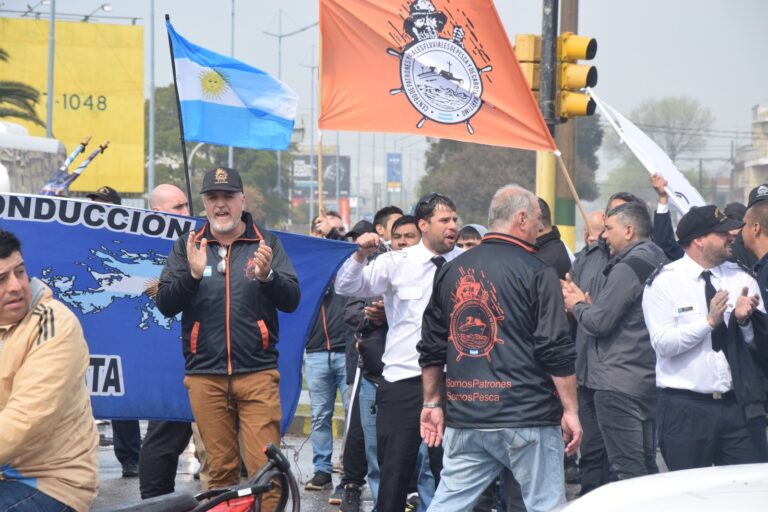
pixel 439 68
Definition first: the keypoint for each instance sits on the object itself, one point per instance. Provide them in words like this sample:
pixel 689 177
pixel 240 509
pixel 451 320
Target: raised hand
pixel 196 257
pixel 717 308
pixel 745 305
pixel 261 263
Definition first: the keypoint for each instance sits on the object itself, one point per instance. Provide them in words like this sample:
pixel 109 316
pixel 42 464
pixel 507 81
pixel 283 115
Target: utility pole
pixel 545 161
pixel 280 35
pixel 230 155
pixel 564 209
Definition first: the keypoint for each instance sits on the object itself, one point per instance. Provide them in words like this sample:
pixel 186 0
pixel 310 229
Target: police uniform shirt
pixel 404 280
pixel 675 311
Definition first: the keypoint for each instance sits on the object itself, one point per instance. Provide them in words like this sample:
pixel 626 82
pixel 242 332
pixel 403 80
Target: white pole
pixel 151 164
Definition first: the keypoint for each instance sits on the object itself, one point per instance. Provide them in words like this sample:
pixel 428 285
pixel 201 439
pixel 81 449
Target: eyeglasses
pixel 222 265
pixel 427 199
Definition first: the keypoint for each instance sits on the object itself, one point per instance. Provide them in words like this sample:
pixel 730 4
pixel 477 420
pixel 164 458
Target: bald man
pixel 593 228
pixel 588 275
pixel 169 199
pixel 165 440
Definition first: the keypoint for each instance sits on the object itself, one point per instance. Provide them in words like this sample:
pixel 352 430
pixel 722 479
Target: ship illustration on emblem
pixel 475 316
pixel 437 74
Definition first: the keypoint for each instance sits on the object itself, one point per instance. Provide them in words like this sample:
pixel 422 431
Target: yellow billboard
pixel 98 90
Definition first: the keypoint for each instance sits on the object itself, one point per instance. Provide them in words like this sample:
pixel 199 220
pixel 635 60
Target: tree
pixel 17 99
pixel 676 123
pixel 257 168
pixel 589 138
pixel 471 173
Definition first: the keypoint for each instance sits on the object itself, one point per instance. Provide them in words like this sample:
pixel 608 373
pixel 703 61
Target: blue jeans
pixel 367 398
pixel 326 372
pixel 473 458
pixel 18 497
pixel 425 483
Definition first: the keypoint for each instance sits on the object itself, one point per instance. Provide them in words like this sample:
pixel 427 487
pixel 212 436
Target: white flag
pixel 681 193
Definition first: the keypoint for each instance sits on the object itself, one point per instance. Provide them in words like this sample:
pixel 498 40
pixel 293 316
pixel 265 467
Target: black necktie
pixel 439 261
pixel 719 333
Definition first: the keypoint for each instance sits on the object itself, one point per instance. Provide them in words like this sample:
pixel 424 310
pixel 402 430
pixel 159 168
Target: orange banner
pixel 439 68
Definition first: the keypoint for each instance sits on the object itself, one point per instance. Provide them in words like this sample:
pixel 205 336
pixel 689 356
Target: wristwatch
pixel 431 405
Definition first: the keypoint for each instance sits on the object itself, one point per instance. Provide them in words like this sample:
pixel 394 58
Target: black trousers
pixel 626 423
pixel 126 439
pixel 697 431
pixel 398 411
pixel 164 443
pixel 353 460
pixel 593 460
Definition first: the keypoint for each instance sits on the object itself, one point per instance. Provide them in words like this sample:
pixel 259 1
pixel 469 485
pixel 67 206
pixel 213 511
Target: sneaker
pixel 130 470
pixel 351 498
pixel 320 482
pixel 336 495
pixel 412 502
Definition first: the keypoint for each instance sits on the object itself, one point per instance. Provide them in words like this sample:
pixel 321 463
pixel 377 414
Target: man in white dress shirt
pixel 404 280
pixel 688 307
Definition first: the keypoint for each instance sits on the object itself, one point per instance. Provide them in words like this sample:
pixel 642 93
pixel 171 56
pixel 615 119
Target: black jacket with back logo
pixel 497 319
pixel 228 322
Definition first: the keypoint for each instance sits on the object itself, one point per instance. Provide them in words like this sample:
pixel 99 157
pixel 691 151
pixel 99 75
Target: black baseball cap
pixel 358 229
pixel 702 220
pixel 106 194
pixel 757 194
pixel 222 178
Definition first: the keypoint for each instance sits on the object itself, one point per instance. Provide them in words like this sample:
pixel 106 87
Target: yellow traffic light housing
pixel 528 52
pixel 572 77
pixel 571 47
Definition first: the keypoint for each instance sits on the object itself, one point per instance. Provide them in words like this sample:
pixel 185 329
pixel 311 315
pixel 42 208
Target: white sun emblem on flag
pixel 213 84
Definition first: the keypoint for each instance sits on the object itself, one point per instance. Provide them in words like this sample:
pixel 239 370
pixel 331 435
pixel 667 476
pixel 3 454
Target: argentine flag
pixel 227 102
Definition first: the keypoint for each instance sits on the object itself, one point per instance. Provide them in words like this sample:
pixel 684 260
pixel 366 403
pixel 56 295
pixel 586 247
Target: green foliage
pixel 258 168
pixel 589 138
pixel 471 173
pixel 18 100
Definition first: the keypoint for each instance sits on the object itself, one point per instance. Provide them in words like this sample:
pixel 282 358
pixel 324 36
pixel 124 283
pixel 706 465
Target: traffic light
pixel 572 77
pixel 528 51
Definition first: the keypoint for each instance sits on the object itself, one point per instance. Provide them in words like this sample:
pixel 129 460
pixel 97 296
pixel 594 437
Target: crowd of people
pixel 476 365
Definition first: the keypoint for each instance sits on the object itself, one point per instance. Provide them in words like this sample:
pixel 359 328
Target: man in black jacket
pixel 496 318
pixel 228 280
pixel 551 248
pixel 620 359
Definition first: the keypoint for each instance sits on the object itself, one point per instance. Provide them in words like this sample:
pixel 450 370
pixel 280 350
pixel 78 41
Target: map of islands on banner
pixel 99 259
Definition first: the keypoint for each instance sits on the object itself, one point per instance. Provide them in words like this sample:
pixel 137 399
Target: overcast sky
pixel 711 50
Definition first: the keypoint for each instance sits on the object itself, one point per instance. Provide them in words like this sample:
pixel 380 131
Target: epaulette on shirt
pixel 655 273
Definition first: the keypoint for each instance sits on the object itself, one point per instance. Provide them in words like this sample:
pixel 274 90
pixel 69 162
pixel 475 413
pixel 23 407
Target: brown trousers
pixel 254 410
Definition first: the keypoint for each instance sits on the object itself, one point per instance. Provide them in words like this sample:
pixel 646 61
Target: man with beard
pixel 619 355
pixel 690 308
pixel 228 281
pixel 404 280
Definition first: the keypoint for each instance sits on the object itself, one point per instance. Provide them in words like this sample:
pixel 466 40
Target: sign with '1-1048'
pixel 98 90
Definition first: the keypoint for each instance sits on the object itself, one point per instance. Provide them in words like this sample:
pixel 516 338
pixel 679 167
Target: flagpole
pixel 181 125
pixel 320 205
pixel 575 194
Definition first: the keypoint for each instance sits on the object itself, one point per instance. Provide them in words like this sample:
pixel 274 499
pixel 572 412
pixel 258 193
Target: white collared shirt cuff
pixel 662 208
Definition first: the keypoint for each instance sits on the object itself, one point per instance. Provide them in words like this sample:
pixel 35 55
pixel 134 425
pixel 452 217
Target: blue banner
pixel 394 172
pixel 99 259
